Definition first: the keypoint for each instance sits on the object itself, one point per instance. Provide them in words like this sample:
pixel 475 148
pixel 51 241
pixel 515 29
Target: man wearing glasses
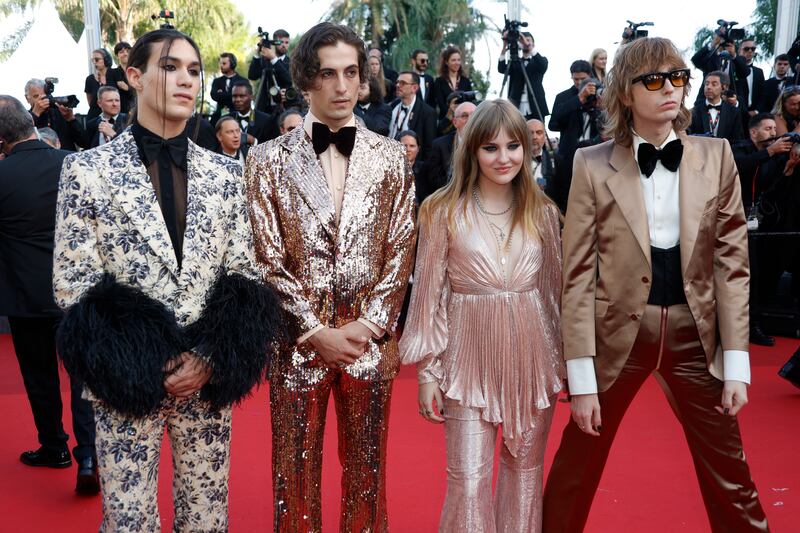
pixel 420 64
pixel 411 113
pixel 750 88
pixel 656 281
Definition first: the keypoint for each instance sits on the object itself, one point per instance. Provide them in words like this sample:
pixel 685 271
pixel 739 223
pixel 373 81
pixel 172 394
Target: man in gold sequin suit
pixel 332 209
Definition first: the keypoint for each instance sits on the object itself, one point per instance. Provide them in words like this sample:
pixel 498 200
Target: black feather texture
pixel 117 340
pixel 237 332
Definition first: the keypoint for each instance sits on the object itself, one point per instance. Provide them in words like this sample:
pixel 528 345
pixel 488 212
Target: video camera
pixel 632 32
pixel 166 15
pixel 511 30
pixel 71 101
pixel 265 41
pixel 467 96
pixel 727 31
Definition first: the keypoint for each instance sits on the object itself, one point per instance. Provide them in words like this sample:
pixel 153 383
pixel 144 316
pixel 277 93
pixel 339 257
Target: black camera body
pixel 265 41
pixel 71 101
pixel 467 96
pixel 166 15
pixel 632 32
pixel 511 29
pixel 792 136
pixel 727 32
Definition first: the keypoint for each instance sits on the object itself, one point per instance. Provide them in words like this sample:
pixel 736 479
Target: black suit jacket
pixel 92 137
pixel 709 61
pixel 770 93
pixel 263 126
pixel 730 122
pixel 28 190
pixel 423 123
pixel 279 74
pixel 568 118
pixel 376 117
pixel 437 168
pixel 70 134
pixel 743 90
pixel 203 133
pixel 441 90
pixel 758 172
pixel 427 81
pixel 126 98
pixel 537 66
pixel 222 95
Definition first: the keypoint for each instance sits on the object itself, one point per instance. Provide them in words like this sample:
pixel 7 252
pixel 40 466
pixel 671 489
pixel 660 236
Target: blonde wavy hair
pixel 648 54
pixel 491 117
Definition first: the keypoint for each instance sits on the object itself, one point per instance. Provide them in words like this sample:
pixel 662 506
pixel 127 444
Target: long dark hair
pixel 142 51
pixel 444 71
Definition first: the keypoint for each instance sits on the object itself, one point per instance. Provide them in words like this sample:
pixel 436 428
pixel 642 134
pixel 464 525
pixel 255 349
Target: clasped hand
pixel 186 375
pixel 338 346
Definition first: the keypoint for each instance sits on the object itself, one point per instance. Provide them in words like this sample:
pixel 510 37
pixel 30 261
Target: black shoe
pixel 88 479
pixel 46 457
pixel 757 336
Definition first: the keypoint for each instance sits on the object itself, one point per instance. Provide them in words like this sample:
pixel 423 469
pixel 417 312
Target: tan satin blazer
pixel 606 244
pixel 326 273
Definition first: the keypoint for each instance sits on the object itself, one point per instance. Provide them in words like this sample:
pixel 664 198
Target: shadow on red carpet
pixel 649 483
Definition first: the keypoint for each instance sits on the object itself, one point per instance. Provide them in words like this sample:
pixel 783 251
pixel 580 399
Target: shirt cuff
pixel 309 333
pixel 580 376
pixel 377 332
pixel 274 60
pixel 736 366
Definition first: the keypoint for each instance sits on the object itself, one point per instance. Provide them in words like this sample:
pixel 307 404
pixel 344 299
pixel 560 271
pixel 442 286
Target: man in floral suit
pixel 163 319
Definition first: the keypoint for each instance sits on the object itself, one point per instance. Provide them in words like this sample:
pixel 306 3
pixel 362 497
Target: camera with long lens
pixel 727 31
pixel 70 101
pixel 632 32
pixel 166 15
pixel 467 96
pixel 511 30
pixel 290 94
pixel 265 41
pixel 591 100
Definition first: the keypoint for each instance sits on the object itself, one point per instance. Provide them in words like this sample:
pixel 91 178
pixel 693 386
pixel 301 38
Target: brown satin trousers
pixel 668 346
pixel 298 427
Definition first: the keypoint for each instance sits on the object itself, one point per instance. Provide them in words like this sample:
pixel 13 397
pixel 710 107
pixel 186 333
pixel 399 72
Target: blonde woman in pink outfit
pixel 484 327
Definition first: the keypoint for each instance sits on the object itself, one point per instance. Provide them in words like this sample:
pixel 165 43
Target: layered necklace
pixel 502 239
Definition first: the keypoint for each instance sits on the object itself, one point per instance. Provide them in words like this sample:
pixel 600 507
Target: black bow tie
pixel 176 149
pixel 111 121
pixel 670 157
pixel 538 158
pixel 322 137
pixel 712 106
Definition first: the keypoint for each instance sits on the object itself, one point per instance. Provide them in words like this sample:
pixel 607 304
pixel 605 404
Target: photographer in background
pixel 717 117
pixel 271 66
pixel 535 66
pixel 48 114
pixel 119 79
pixel 749 88
pixel 222 85
pixel 760 161
pixel 575 110
pixel 371 108
pixel 720 54
pixel 111 121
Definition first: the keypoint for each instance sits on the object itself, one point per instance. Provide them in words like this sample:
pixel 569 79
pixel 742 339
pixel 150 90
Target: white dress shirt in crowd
pixel 400 116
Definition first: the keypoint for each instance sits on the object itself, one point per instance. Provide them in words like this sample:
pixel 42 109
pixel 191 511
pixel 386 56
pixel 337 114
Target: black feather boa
pixel 118 340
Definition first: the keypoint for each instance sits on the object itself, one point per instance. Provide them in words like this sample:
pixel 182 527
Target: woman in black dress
pixel 102 62
pixel 451 78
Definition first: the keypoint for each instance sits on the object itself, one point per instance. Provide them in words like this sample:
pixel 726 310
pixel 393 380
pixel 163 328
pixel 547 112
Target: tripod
pixel 515 61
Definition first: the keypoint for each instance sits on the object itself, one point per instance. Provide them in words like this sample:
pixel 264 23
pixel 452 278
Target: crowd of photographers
pixel 426 108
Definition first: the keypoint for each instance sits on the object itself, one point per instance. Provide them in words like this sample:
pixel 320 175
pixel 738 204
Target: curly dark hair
pixel 305 62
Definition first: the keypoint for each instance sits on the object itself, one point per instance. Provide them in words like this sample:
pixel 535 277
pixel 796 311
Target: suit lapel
pixel 693 194
pixel 132 189
pixel 359 181
pixel 627 191
pixel 305 171
pixel 703 112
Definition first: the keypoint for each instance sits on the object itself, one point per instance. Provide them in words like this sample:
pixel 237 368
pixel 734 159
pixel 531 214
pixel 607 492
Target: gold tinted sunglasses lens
pixel 679 78
pixel 653 82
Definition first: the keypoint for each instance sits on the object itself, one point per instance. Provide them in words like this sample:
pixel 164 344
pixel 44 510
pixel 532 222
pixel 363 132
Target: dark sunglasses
pixel 749 48
pixel 653 81
pixel 422 60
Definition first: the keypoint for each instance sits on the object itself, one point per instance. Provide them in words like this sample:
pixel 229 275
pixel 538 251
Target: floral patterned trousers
pixel 128 451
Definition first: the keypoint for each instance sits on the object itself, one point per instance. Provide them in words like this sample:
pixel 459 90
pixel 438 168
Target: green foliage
pixel 11 42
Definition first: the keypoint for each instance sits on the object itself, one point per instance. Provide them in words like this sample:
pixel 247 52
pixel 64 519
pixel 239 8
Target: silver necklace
pixel 485 212
pixel 498 233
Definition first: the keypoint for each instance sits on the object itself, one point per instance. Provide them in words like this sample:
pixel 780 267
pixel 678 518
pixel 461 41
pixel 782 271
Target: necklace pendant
pixel 503 261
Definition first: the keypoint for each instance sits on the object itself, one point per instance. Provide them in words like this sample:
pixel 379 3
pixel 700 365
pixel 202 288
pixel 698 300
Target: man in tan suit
pixel 656 281
pixel 332 208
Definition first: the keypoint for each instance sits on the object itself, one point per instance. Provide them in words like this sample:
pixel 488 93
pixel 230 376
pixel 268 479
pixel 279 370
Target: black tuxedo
pixel 202 134
pixel 730 122
pixel 441 90
pixel 426 80
pixel 221 94
pixel 709 60
pixel 28 189
pixel 262 126
pixel 770 93
pixel 271 76
pixel 92 137
pixel 743 90
pixel 758 172
pixel 570 119
pixel 423 123
pixel 535 68
pixel 438 167
pixel 376 117
pixel 70 134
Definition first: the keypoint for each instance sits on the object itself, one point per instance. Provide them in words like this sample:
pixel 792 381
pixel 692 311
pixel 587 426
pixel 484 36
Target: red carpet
pixel 649 484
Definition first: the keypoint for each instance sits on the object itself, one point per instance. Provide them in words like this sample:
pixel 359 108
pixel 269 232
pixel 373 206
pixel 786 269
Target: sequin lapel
pixel 305 171
pixel 133 191
pixel 361 176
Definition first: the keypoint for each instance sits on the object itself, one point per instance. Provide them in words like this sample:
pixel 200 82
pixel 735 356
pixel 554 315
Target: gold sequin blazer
pixel 328 273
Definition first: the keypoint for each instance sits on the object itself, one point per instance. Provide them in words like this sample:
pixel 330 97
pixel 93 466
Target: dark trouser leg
pixel 298 427
pixel 35 346
pixel 362 412
pixel 714 440
pixel 82 422
pixel 580 459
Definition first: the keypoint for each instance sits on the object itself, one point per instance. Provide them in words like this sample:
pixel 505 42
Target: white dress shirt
pixel 400 117
pixel 662 203
pixel 713 116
